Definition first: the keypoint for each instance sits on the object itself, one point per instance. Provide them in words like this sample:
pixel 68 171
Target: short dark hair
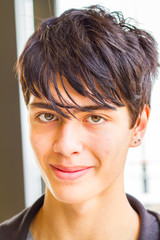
pixel 100 54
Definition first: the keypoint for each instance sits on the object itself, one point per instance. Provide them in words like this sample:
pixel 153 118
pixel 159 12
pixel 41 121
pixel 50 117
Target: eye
pixel 95 119
pixel 47 117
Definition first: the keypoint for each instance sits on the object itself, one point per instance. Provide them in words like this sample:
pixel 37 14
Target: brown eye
pixel 47 117
pixel 95 119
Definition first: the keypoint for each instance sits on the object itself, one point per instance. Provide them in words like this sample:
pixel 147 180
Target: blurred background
pixel 20 180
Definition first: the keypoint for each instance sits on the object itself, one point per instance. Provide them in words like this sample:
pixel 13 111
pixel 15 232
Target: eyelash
pixel 98 122
pixel 101 119
pixel 43 114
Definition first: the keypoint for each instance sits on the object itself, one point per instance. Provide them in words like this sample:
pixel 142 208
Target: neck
pixel 102 217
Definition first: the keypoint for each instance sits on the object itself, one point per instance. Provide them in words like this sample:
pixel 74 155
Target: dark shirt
pixel 17 227
pixel 149 221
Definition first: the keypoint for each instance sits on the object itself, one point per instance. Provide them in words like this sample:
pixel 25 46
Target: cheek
pixel 101 144
pixel 40 143
pixel 112 147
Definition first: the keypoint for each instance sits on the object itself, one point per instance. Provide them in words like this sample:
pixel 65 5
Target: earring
pixel 137 140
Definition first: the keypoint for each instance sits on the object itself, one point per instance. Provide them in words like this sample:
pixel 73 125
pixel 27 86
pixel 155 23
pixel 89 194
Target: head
pixel 86 60
pixel 101 56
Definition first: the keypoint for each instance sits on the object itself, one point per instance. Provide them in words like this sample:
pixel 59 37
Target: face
pixel 83 157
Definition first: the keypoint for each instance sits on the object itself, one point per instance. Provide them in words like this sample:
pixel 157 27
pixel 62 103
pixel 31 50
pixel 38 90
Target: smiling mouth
pixel 70 173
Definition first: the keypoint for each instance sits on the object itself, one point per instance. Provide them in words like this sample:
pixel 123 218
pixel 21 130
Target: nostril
pixel 75 153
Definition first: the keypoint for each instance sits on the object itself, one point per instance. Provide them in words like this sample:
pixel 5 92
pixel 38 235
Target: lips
pixel 69 173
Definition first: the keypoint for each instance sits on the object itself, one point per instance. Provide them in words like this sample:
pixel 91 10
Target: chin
pixel 69 198
pixel 70 195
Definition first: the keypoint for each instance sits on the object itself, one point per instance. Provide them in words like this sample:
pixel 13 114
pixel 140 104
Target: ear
pixel 140 127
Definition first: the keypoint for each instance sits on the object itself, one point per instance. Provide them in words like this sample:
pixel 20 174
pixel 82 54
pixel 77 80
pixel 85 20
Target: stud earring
pixel 137 140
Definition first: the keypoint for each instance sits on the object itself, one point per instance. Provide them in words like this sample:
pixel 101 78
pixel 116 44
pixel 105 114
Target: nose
pixel 69 139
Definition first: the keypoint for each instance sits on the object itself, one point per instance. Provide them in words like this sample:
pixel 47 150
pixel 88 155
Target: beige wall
pixel 42 10
pixel 11 171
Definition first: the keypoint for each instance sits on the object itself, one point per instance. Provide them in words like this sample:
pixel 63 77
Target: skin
pixel 94 205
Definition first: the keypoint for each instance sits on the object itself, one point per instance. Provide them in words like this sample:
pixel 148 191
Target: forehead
pixel 84 104
pixel 64 95
pixel 67 96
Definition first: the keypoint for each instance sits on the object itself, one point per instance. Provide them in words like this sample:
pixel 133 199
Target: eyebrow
pixel 75 109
